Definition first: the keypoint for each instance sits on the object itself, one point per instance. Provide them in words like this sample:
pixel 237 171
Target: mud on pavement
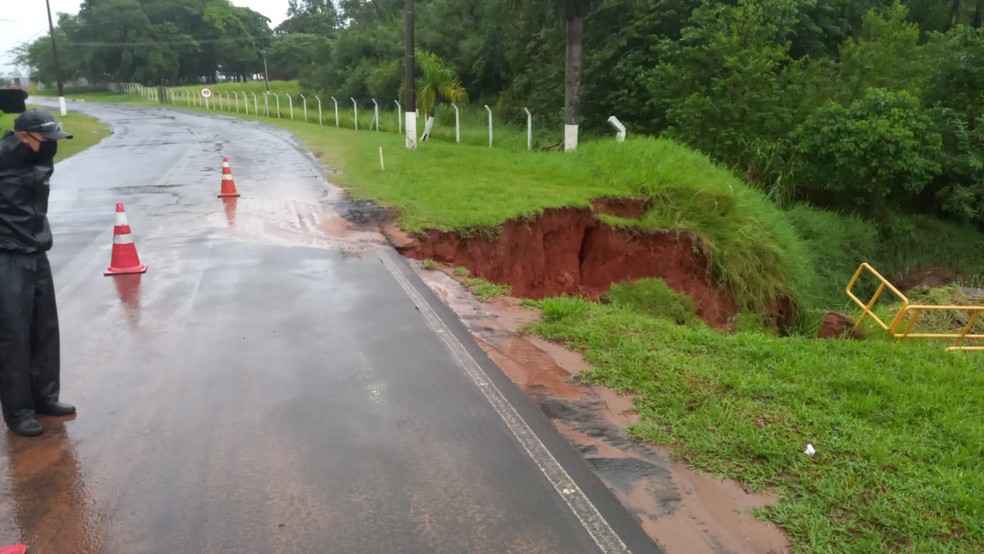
pixel 682 510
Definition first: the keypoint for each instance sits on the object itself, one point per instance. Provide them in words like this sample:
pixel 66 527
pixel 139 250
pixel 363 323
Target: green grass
pixel 485 290
pixel 87 131
pixel 920 241
pixel 928 321
pixel 898 428
pixel 461 271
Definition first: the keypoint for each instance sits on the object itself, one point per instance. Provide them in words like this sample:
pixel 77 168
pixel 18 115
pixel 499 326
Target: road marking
pixel 604 536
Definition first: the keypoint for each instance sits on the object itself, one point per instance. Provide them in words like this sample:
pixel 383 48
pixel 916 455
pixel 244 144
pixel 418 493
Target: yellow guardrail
pixel 907 315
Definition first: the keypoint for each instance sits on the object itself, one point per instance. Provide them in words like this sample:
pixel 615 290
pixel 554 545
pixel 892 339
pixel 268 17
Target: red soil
pixel 569 251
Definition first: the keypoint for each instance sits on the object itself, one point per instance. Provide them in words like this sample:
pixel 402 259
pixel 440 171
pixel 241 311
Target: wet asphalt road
pixel 276 382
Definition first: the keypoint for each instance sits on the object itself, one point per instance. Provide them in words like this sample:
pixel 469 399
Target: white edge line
pixel 593 522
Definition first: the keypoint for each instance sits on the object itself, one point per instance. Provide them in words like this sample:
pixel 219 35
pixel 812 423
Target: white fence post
pixel 529 129
pixel 399 117
pixel 336 110
pixel 321 120
pixel 277 96
pixel 290 104
pixel 256 104
pixel 488 109
pixel 375 115
pixel 619 128
pixel 304 102
pixel 457 124
pixel 355 106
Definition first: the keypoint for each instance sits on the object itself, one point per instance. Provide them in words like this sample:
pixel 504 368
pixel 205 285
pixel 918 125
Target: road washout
pixel 571 251
pixel 682 510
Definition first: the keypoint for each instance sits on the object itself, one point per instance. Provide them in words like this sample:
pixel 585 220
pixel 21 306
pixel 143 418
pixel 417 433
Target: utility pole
pixel 411 74
pixel 54 48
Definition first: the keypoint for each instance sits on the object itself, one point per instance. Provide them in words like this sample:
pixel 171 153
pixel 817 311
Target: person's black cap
pixel 41 122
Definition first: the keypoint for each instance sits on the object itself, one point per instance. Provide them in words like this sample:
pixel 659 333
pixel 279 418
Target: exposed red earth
pixel 570 251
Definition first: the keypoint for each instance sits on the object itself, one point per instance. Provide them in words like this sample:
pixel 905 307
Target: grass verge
pixel 898 428
pixel 88 131
pixel 485 290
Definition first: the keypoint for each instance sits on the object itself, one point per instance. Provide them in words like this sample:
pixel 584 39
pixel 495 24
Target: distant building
pixel 15 79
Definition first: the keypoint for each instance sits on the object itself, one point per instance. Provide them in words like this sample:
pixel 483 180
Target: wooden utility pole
pixel 410 73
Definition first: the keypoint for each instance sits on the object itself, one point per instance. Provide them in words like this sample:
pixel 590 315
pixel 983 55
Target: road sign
pixel 206 93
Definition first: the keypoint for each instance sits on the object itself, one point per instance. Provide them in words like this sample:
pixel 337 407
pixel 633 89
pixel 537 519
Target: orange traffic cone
pixel 125 259
pixel 228 184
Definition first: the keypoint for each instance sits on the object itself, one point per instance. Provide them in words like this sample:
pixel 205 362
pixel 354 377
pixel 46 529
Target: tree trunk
pixel 954 13
pixel 574 14
pixel 978 14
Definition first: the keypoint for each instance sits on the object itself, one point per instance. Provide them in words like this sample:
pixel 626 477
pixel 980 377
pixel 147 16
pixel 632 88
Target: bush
pixel 838 244
pixel 873 156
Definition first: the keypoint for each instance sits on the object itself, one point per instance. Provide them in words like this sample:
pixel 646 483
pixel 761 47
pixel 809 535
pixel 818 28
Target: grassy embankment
pixel 87 131
pixel 898 428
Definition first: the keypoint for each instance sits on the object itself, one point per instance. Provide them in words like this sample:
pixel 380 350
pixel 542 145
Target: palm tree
pixel 439 83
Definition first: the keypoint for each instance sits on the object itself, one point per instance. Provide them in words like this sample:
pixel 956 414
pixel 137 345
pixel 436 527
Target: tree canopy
pixel 879 101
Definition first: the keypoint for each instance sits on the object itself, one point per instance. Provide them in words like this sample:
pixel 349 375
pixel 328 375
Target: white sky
pixel 23 21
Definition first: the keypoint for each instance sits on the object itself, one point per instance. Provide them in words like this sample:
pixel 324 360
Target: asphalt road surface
pixel 277 381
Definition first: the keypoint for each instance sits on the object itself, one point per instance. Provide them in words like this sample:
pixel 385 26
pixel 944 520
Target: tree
pixel 297 54
pixel 574 13
pixel 872 60
pixel 724 82
pixel 439 82
pixel 872 156
pixel 310 17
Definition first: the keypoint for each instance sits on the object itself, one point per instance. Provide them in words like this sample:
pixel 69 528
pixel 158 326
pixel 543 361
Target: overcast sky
pixel 23 21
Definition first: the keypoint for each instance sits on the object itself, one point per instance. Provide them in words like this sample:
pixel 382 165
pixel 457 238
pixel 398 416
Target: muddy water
pixel 684 511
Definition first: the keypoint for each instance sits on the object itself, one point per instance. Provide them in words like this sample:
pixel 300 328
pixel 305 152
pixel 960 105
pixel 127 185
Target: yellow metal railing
pixel 904 321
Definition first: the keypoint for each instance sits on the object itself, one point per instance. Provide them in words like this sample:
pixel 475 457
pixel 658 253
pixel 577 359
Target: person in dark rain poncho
pixel 29 341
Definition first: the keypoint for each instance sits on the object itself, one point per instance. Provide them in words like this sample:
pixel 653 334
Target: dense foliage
pixel 870 106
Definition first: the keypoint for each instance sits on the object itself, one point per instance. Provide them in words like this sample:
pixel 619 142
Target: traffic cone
pixel 125 259
pixel 13 549
pixel 228 184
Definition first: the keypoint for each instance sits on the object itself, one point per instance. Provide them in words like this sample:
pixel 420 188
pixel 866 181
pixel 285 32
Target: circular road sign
pixel 206 93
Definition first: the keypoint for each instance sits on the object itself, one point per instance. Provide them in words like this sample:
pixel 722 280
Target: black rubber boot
pixel 25 426
pixel 56 409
